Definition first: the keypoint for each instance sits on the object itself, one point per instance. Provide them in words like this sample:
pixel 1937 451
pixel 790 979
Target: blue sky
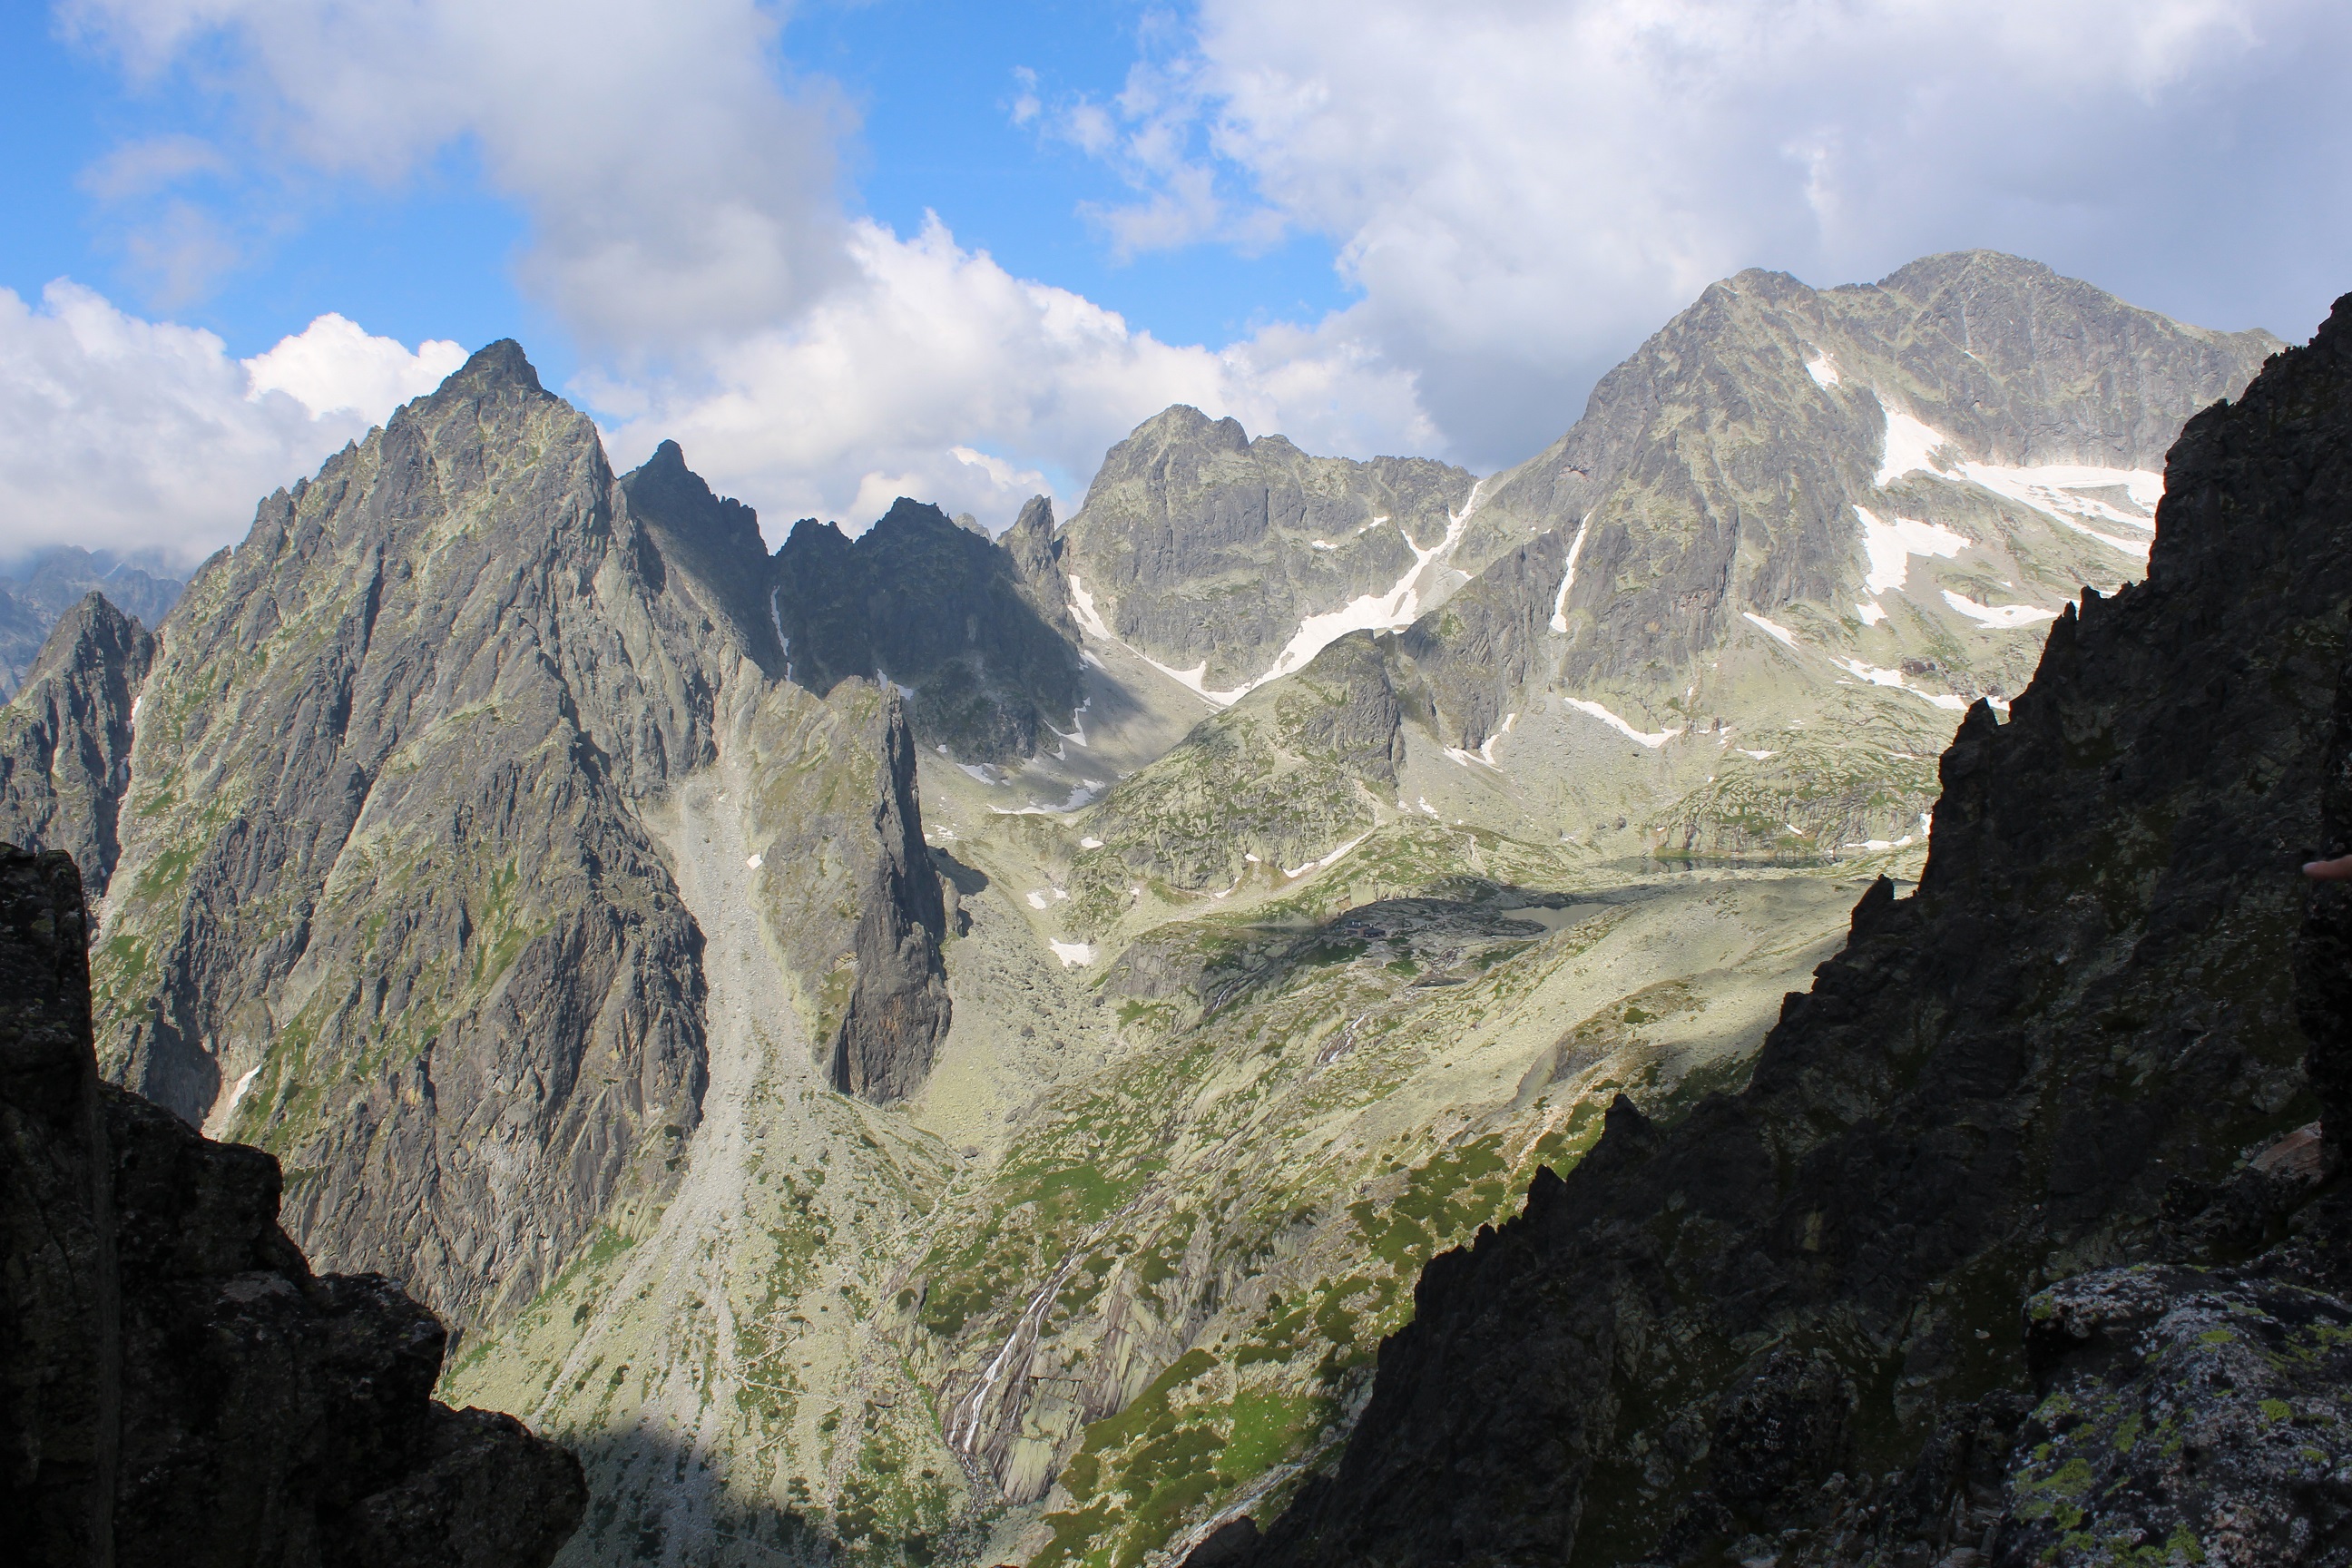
pixel 845 251
pixel 933 87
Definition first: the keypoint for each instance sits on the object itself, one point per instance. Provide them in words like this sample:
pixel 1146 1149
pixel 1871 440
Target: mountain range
pixel 952 1048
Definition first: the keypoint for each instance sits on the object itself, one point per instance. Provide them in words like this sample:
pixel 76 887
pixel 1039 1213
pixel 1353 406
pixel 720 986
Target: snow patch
pixel 1894 677
pixel 1567 579
pixel 1397 608
pixel 1039 898
pixel 1330 860
pixel 1871 613
pixel 1090 842
pixel 1088 789
pixel 754 863
pixel 1777 630
pixel 1891 545
pixel 1082 605
pixel 1760 756
pixel 981 771
pixel 1652 741
pixel 2005 616
pixel 2058 490
pixel 1486 746
pixel 1823 370
pixel 1073 954
pixel 1909 445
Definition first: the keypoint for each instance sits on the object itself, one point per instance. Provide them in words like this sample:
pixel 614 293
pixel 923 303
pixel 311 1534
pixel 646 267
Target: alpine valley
pixel 922 1046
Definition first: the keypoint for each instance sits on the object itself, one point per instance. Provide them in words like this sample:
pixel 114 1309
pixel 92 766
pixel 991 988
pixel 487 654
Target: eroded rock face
pixel 65 739
pixel 1206 549
pixel 1715 471
pixel 386 902
pixel 2048 1062
pixel 177 1387
pixel 899 1009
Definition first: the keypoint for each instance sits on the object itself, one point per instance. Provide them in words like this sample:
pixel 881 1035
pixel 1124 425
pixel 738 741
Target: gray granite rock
pixel 65 738
pixel 898 1011
pixel 1204 548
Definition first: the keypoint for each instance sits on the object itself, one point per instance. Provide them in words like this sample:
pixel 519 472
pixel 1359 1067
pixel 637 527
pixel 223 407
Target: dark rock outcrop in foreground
pixel 176 1387
pixel 2010 1249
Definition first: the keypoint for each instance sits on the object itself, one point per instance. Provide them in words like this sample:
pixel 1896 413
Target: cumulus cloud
pixel 686 225
pixel 675 191
pixel 334 365
pixel 140 435
pixel 938 375
pixel 1523 190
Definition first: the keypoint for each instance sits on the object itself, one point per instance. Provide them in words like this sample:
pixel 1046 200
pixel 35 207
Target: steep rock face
pixel 1206 550
pixel 898 1010
pixel 1036 555
pixel 65 739
pixel 56 581
pixel 716 543
pixel 1715 472
pixel 1480 653
pixel 942 611
pixel 178 1387
pixel 385 904
pixel 2048 1060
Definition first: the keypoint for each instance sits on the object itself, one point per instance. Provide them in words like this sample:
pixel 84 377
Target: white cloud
pixel 884 386
pixel 675 192
pixel 686 227
pixel 139 435
pixel 334 365
pixel 1524 191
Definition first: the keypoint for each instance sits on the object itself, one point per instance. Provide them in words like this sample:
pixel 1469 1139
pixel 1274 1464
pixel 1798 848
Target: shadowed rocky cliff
pixel 898 1011
pixel 940 610
pixel 176 1387
pixel 2060 1055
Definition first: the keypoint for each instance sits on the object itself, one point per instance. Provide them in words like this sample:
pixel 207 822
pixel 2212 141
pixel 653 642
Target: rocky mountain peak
pixel 93 634
pixel 501 366
pixel 944 613
pixel 65 739
pixel 1178 424
pixel 1206 551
